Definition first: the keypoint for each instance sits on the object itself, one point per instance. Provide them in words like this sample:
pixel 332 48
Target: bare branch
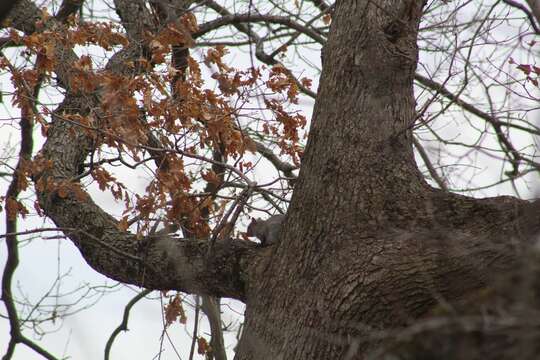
pixel 210 307
pixel 286 168
pixel 532 19
pixel 124 324
pixel 434 175
pixel 535 7
pixel 515 156
pixel 245 18
pixel 195 328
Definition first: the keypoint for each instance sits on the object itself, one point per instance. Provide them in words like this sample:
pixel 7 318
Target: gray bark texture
pixel 367 247
pixel 370 245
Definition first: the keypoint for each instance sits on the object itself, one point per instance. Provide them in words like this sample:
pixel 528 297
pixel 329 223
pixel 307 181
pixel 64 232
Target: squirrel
pixel 266 230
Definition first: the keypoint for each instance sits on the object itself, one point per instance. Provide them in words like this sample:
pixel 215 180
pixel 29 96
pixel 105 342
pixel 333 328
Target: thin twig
pixel 429 165
pixel 11 214
pixel 195 328
pixel 123 325
pixel 532 18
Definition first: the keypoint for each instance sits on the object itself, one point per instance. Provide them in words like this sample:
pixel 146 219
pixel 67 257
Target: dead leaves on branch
pixel 174 311
pixel 531 72
pixel 158 113
pixel 174 34
pixel 15 208
pixel 56 187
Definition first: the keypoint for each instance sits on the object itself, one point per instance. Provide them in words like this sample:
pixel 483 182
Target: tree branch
pixel 433 85
pixel 195 328
pixel 11 215
pixel 154 262
pixel 515 157
pixel 256 39
pixel 434 175
pixel 535 7
pixel 235 19
pixel 67 8
pixel 124 324
pixel 533 18
pixel 282 166
pixel 321 5
pixel 210 307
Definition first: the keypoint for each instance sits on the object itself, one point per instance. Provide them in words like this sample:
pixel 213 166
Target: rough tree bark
pixel 368 244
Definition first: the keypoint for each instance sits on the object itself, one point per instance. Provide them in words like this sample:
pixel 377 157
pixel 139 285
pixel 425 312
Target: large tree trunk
pixel 368 244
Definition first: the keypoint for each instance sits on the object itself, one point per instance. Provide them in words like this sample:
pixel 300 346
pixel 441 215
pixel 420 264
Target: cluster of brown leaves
pixel 156 113
pixel 174 311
